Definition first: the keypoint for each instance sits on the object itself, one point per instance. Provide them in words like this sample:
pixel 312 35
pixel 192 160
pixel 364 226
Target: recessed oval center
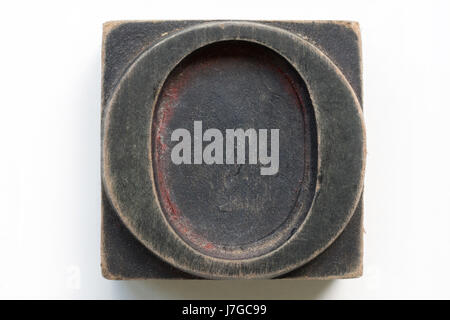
pixel 234 150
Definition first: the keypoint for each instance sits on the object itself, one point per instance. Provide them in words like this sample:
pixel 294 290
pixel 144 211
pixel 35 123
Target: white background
pixel 50 148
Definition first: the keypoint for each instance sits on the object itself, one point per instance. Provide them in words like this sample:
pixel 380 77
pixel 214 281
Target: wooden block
pixel 232 149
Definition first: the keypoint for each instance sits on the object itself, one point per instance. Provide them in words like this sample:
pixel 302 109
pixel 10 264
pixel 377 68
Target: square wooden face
pixel 224 155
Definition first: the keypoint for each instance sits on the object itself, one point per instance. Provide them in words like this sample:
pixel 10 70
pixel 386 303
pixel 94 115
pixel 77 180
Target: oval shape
pixel 232 210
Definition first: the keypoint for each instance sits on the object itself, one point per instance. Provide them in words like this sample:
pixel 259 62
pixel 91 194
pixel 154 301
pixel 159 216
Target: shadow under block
pixel 166 221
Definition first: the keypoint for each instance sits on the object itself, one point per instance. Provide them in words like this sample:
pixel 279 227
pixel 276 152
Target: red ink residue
pixel 164 113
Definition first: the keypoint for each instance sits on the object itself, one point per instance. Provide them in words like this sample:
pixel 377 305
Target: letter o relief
pixel 234 150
